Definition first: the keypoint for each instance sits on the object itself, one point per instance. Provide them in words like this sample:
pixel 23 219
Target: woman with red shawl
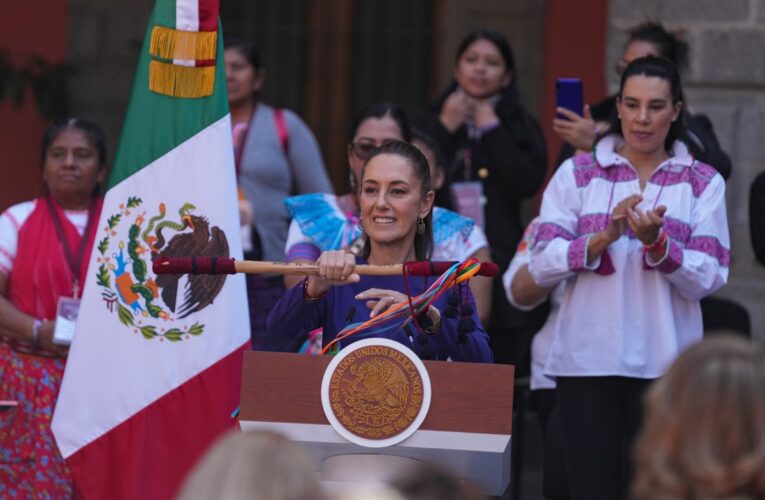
pixel 45 245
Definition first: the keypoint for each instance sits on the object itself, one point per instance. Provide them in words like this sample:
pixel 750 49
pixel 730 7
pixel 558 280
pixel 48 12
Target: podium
pixel 467 428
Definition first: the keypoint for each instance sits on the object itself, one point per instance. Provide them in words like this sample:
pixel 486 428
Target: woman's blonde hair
pixel 255 466
pixel 704 432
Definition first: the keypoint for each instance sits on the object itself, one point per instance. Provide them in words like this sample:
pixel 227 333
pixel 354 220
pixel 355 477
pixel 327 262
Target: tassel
pixel 181 81
pixel 167 43
pixel 452 301
pixel 465 325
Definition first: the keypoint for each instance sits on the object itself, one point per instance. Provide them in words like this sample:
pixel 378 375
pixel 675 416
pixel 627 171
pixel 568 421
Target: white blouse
pixel 624 314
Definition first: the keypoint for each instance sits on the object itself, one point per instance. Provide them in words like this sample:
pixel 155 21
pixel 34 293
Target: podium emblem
pixel 376 392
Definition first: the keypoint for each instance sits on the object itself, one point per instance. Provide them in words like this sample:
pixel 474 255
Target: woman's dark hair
pixel 431 144
pixel 500 41
pixel 423 243
pixel 670 45
pixel 92 131
pixel 495 37
pixel 659 67
pixel 246 48
pixel 380 110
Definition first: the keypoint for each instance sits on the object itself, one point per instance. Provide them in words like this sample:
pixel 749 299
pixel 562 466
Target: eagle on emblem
pixel 380 382
pixel 201 289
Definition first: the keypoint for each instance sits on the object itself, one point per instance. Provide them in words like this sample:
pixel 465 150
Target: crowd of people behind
pixel 608 280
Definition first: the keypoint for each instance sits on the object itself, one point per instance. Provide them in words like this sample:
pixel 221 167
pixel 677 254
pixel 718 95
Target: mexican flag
pixel 154 370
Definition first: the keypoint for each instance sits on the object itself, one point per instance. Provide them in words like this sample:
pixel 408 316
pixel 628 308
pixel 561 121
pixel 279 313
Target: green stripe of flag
pixel 155 123
pixel 164 14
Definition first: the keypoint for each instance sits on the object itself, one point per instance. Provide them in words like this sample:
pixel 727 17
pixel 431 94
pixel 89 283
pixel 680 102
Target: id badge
pixel 66 319
pixel 470 200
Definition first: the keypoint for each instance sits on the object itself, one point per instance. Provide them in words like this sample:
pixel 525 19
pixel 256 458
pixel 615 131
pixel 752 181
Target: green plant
pixel 48 82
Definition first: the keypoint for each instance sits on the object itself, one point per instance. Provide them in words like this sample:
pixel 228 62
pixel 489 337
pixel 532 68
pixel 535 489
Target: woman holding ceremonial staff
pixel 327 222
pixel 638 230
pixel 396 201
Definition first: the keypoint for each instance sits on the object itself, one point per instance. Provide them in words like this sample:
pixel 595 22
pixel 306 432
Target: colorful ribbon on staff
pixel 391 318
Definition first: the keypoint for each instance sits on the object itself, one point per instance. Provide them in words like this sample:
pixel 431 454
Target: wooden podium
pixel 467 428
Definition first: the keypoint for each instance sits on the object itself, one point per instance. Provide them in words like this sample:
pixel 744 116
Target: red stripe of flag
pixel 186 421
pixel 208 15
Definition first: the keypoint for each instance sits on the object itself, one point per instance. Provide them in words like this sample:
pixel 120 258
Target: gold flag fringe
pixel 181 81
pixel 168 43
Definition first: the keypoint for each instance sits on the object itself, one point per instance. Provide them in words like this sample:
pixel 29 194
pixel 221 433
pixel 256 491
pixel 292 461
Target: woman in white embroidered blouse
pixel 641 229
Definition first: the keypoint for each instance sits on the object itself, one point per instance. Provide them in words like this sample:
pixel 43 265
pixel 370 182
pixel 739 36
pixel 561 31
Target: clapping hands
pixel 645 224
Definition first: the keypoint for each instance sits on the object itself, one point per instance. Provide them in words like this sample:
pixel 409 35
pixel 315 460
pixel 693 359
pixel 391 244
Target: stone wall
pixel 726 81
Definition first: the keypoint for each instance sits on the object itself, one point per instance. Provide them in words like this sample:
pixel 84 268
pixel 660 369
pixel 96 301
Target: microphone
pixel 351 313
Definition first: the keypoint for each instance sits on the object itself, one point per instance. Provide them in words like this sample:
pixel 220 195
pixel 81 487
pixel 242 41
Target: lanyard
pixel 239 133
pixel 75 264
pixel 467 165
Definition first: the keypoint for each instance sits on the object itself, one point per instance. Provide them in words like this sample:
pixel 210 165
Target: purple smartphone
pixel 569 95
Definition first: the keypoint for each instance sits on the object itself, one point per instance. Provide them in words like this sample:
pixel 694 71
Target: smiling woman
pixel 323 222
pixel 396 206
pixel 396 213
pixel 638 227
pixel 44 249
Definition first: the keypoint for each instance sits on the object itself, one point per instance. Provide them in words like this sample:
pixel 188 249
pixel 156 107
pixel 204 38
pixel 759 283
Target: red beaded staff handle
pixel 220 265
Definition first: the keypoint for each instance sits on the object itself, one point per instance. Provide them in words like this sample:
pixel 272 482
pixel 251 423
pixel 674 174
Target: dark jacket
pixel 757 216
pixel 514 155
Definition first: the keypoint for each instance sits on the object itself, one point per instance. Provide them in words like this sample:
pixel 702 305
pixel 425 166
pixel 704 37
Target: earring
pixel 361 226
pixel 420 226
pixel 352 182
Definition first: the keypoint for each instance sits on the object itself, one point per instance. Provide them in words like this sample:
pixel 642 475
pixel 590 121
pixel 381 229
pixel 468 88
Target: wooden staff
pixel 216 265
pixel 260 267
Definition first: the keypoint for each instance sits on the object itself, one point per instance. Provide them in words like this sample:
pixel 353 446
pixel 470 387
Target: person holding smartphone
pixel 495 157
pixel 580 131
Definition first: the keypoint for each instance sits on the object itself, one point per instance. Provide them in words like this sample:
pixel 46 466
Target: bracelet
pixel 659 244
pixel 306 296
pixel 36 332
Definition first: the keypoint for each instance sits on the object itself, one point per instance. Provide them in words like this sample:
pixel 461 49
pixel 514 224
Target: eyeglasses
pixel 363 150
